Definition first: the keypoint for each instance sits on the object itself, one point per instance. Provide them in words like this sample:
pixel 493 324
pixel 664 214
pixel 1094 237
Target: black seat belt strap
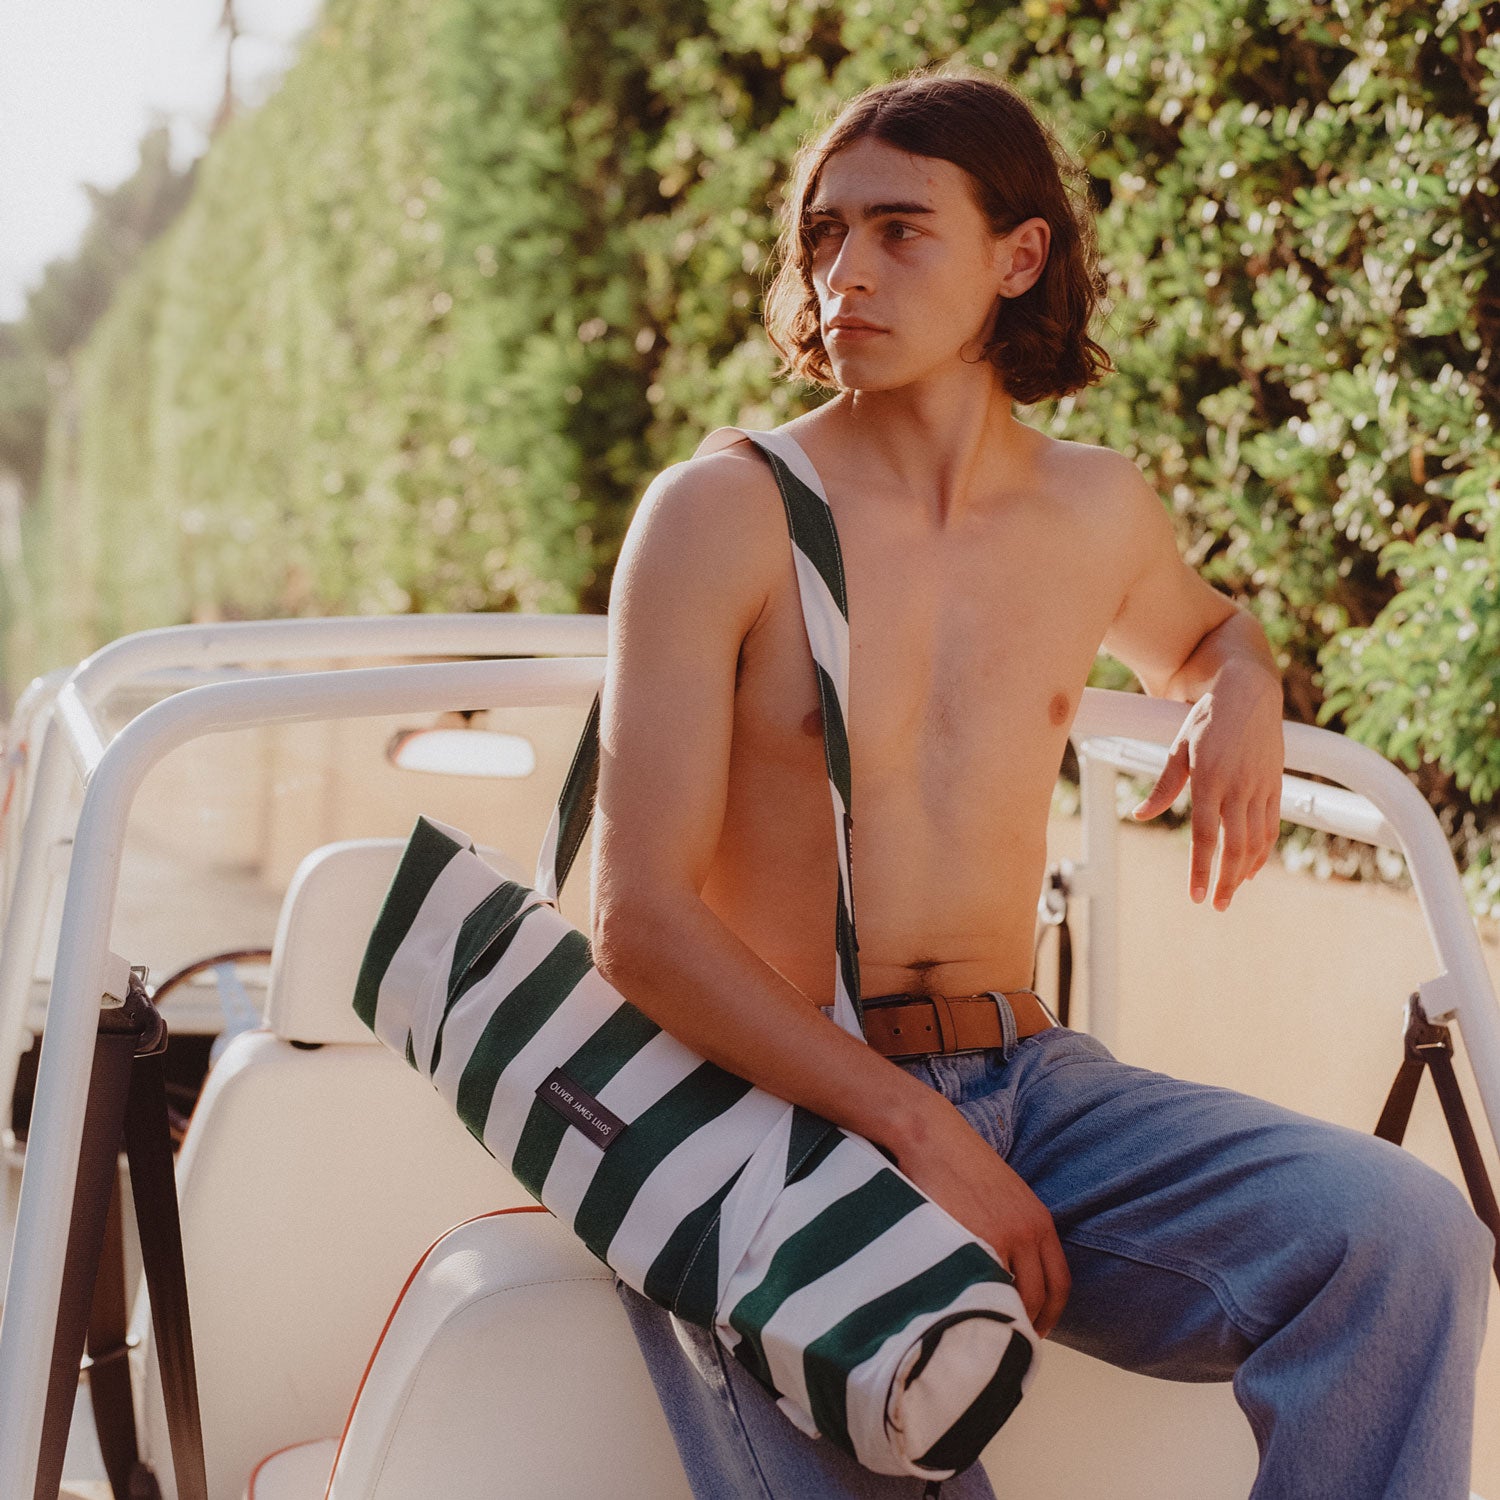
pixel 98 1172
pixel 1054 913
pixel 108 1365
pixel 148 1146
pixel 127 1097
pixel 1431 1047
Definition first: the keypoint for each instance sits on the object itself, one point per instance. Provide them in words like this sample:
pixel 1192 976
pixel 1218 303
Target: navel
pixel 1057 709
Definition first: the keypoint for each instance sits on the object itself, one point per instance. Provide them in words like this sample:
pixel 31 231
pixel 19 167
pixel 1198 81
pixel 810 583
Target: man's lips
pixel 852 328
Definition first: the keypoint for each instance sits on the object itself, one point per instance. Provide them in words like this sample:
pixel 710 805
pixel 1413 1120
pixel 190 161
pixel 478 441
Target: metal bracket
pixel 117 981
pixel 1422 1033
pixel 1441 998
pixel 110 1356
pixel 1052 905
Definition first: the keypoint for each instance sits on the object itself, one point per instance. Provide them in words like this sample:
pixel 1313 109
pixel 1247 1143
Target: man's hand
pixel 1185 640
pixel 961 1173
pixel 1230 747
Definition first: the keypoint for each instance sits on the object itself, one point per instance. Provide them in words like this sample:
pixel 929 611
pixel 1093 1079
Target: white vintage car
pixel 378 1312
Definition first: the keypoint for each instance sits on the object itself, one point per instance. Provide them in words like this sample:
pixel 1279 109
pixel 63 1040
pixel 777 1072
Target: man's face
pixel 904 264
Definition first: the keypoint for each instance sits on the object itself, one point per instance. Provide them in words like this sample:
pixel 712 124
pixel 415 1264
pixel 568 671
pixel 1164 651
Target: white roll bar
pixel 1125 731
pixel 1113 732
pixel 29 1319
pixel 71 705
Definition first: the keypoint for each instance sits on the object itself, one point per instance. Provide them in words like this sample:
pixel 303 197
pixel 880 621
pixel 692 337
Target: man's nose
pixel 852 268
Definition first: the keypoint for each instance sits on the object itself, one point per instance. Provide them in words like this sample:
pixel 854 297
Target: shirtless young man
pixel 935 269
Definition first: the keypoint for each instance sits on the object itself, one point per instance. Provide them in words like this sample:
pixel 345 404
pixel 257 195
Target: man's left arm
pixel 1187 641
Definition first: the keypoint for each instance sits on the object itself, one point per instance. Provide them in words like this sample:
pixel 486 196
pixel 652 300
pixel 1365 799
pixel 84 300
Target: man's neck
pixel 940 441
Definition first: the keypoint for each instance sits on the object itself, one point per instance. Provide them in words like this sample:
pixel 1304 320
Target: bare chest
pixel 968 656
pixel 965 649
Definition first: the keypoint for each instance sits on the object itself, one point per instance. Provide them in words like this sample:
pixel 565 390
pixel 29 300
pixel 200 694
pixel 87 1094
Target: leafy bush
pixel 438 311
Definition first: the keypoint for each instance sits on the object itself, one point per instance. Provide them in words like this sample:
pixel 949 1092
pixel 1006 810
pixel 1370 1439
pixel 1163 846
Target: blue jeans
pixel 1337 1281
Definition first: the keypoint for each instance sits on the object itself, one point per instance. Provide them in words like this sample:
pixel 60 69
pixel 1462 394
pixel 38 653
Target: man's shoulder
pixel 1106 470
pixel 720 507
pixel 1108 488
pixel 730 486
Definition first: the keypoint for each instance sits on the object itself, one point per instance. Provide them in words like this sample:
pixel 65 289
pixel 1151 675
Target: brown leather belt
pixel 900 1026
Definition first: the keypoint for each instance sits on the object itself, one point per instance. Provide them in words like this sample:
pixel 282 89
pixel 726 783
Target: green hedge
pixel 439 309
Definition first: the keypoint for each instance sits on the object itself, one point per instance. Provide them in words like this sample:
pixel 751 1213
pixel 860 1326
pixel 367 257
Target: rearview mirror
pixel 462 752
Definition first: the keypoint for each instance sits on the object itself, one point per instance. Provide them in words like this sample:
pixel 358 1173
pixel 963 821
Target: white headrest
pixel 326 919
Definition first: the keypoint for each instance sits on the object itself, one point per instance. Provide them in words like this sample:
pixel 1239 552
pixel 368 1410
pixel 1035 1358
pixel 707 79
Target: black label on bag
pixel 580 1108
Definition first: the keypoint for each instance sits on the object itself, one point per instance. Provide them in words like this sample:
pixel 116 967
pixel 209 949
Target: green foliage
pixel 1308 267
pixel 75 290
pixel 438 311
pixel 547 172
pixel 1431 665
pixel 300 427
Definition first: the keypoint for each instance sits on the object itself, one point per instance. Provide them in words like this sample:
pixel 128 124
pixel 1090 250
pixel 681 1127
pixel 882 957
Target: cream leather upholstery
pixel 298 1472
pixel 508 1371
pixel 311 1181
pixel 326 918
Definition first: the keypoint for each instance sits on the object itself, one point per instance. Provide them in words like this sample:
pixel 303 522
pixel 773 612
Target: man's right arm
pixel 704 554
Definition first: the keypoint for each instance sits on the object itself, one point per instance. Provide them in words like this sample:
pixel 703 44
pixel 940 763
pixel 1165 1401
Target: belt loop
pixel 1007 1024
pixel 1047 1010
pixel 947 1032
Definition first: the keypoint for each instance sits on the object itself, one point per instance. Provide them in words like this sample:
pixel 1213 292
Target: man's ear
pixel 1024 256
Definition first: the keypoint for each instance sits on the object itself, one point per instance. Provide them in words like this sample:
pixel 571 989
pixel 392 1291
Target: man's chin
pixel 852 375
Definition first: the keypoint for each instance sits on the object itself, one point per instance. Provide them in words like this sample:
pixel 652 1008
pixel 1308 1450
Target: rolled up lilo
pixel 873 1316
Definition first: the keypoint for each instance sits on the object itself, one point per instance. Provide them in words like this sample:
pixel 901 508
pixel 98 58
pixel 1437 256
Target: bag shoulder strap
pixel 574 811
pixel 825 614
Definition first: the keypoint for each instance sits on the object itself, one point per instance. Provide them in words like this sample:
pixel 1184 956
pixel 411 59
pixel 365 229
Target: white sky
pixel 80 84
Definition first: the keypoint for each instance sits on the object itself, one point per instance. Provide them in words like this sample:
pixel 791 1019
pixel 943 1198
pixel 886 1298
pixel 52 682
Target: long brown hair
pixel 1019 170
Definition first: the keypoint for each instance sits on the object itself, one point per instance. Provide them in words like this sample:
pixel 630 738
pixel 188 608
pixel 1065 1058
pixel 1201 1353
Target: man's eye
pixel 902 231
pixel 822 230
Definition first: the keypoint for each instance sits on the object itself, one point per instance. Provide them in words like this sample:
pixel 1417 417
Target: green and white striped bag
pixel 873 1316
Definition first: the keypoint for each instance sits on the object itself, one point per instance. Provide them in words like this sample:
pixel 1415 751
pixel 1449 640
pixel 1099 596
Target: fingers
pixel 1059 1284
pixel 1270 827
pixel 1042 1278
pixel 1234 853
pixel 1025 1265
pixel 1171 781
pixel 1205 842
pixel 1249 837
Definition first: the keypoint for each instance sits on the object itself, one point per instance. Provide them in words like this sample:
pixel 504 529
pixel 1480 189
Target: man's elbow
pixel 610 938
pixel 624 932
pixel 1236 642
